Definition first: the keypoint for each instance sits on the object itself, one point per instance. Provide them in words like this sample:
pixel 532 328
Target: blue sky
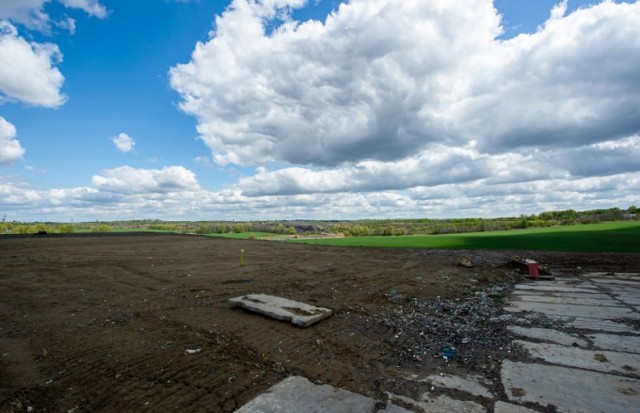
pixel 277 109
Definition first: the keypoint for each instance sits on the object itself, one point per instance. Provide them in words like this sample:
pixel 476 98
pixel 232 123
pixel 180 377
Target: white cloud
pixel 28 71
pixel 31 13
pixel 118 199
pixel 128 180
pixel 10 148
pixel 204 161
pixel 123 142
pixel 91 7
pixel 387 79
pixel 443 165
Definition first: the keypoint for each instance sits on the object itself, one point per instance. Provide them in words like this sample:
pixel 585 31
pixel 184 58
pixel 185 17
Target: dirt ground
pixel 104 323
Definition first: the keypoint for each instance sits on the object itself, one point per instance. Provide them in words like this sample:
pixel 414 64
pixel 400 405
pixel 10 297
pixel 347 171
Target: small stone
pixel 464 262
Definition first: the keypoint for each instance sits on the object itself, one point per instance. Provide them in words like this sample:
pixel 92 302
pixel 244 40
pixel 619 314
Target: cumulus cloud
pixel 449 165
pixel 10 148
pixel 383 80
pixel 32 15
pixel 128 180
pixel 28 71
pixel 477 198
pixel 123 142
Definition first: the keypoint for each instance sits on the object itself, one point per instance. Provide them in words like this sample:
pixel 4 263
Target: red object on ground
pixel 533 269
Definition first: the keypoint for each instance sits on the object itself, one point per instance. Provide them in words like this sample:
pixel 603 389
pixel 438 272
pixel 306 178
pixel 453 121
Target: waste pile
pixel 470 330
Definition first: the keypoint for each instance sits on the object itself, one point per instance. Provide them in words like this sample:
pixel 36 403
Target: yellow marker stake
pixel 241 257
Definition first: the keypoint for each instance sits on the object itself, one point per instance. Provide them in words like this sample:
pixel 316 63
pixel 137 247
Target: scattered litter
pixel 192 350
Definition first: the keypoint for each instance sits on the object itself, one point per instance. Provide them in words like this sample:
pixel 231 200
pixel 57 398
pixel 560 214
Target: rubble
pixel 465 330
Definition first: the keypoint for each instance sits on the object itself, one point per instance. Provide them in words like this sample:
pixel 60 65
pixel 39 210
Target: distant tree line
pixel 356 228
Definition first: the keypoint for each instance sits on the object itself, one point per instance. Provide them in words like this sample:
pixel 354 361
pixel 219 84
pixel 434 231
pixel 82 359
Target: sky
pixel 316 109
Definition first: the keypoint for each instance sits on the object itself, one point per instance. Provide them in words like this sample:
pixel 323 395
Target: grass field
pixel 603 237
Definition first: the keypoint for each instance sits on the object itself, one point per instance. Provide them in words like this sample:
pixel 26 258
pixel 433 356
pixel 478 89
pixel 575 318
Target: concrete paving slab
pixel 609 302
pixel 298 313
pixel 502 407
pixel 296 394
pixel 584 288
pixel 598 324
pixel 570 390
pixel 629 344
pixel 449 381
pixel 573 310
pixel 627 297
pixel 598 360
pixel 613 281
pixel 592 296
pixel 547 334
pixel 618 275
pixel 439 404
pixel 392 408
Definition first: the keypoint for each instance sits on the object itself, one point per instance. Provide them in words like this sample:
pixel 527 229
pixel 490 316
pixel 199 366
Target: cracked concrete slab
pixel 584 288
pixel 608 302
pixel 613 281
pixel 573 310
pixel 502 407
pixel 296 394
pixel 597 324
pixel 547 334
pixel 618 275
pixel 598 360
pixel 569 390
pixel 437 404
pixel 593 296
pixel 627 297
pixel 449 381
pixel 298 313
pixel 629 344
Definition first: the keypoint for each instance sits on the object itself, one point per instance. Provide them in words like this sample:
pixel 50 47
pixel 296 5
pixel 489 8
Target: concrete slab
pixel 572 310
pixel 584 300
pixel 502 407
pixel 592 296
pixel 570 390
pixel 614 281
pixel 298 313
pixel 629 344
pixel 598 360
pixel 598 324
pixel 583 288
pixel 547 334
pixel 392 408
pixel 618 275
pixel 627 297
pixel 439 404
pixel 296 394
pixel 449 381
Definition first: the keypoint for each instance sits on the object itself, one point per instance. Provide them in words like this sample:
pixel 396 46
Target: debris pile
pixel 467 330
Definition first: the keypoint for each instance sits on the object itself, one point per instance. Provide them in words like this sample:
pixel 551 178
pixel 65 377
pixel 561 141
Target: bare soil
pixel 141 322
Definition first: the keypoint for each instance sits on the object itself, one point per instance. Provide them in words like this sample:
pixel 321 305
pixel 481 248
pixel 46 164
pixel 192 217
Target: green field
pixel 603 237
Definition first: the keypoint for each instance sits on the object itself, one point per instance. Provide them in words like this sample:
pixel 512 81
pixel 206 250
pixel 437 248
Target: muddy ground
pixel 104 323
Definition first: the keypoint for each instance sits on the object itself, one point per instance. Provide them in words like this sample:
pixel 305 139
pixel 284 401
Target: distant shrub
pixel 252 236
pixel 23 229
pixel 66 229
pixel 101 228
